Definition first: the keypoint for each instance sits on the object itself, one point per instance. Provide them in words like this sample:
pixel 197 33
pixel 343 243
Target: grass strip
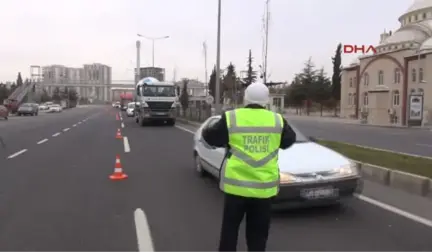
pixel 405 163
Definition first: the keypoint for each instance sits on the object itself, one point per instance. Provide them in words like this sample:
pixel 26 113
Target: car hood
pixel 308 157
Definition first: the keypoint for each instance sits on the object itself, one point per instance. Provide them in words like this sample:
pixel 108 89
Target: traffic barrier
pixel 119 135
pixel 118 170
pixel 404 181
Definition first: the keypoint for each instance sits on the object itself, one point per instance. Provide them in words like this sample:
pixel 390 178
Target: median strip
pixel 390 160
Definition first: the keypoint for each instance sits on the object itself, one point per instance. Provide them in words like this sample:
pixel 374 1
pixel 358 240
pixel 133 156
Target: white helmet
pixel 257 93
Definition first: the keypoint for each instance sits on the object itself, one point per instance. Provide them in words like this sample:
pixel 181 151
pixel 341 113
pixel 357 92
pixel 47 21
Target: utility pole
pixel 138 64
pixel 205 67
pixel 217 91
pixel 266 40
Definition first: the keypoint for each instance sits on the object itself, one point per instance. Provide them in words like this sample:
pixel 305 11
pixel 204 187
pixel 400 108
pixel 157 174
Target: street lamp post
pixel 153 43
pixel 217 88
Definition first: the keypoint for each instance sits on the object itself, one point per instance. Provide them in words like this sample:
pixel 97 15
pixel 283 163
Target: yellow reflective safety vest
pixel 251 167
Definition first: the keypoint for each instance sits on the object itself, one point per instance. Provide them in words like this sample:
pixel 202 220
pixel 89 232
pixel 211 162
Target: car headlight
pixel 144 105
pixel 286 178
pixel 173 105
pixel 347 170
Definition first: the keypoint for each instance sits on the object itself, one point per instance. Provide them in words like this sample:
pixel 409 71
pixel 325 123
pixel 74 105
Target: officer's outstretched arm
pixel 288 136
pixel 217 134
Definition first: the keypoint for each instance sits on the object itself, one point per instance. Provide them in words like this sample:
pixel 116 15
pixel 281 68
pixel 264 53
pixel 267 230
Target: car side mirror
pixel 313 139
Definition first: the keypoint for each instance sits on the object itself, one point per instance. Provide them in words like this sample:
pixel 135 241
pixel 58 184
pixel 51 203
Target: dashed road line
pixel 79 122
pixel 42 141
pixel 374 202
pixel 122 125
pixel 126 144
pixel 66 129
pixel 56 134
pixel 17 153
pixel 145 242
pixel 74 125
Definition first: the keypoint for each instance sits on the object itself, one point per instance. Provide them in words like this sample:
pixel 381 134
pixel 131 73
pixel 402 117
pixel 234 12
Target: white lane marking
pixel 377 203
pixel 17 153
pixel 126 144
pixel 122 125
pixel 66 129
pixel 56 134
pixel 42 141
pixel 145 242
pixel 425 145
pixel 184 129
pixel 74 125
pixel 396 210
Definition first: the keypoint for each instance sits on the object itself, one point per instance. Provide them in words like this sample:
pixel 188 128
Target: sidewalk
pixel 330 119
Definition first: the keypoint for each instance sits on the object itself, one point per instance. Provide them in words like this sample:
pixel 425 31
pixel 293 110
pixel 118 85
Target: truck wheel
pixel 141 122
pixel 171 122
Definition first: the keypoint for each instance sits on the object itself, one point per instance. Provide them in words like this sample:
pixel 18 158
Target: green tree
pixel 230 83
pixel 337 73
pixel 19 81
pixel 4 92
pixel 12 88
pixel 64 94
pixel 72 97
pixel 184 97
pixel 56 96
pixel 322 89
pixel 212 83
pixel 308 78
pixel 45 97
pixel 295 93
pixel 251 75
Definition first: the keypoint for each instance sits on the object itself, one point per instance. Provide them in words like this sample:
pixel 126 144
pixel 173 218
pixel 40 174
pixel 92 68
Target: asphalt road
pixel 412 141
pixel 57 196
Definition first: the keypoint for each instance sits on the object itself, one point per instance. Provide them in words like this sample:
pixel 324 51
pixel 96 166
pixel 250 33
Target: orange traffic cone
pixel 118 171
pixel 118 135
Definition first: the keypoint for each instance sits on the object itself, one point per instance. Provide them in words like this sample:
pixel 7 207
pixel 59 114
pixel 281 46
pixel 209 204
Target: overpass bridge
pixel 91 89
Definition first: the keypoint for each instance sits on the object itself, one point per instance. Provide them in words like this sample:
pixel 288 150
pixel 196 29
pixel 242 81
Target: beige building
pixel 394 86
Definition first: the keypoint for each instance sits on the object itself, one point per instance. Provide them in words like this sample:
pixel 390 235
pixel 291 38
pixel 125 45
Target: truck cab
pixel 155 101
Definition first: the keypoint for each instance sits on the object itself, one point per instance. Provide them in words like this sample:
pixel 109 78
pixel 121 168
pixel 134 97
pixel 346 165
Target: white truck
pixel 155 101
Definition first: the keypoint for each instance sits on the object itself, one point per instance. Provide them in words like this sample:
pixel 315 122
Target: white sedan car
pixel 130 109
pixel 55 108
pixel 310 174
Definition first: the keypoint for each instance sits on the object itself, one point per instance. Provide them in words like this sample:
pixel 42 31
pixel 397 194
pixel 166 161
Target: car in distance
pixel 4 112
pixel 130 111
pixel 28 109
pixel 55 108
pixel 310 174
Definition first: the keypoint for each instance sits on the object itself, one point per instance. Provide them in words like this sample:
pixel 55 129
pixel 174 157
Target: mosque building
pixel 393 86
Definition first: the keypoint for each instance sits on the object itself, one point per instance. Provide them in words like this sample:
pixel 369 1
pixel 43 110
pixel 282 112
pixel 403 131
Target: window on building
pixel 365 99
pixel 415 18
pixel 350 82
pixel 420 90
pixel 424 15
pixel 380 77
pixel 413 75
pixel 412 90
pixel 366 79
pixel 396 98
pixel 350 99
pixel 354 98
pixel 397 75
pixel 421 74
pixel 355 81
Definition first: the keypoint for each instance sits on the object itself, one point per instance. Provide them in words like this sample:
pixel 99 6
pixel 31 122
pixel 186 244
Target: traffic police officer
pixel 249 176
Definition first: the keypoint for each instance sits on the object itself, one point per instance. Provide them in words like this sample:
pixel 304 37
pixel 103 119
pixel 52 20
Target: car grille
pixel 160 105
pixel 314 174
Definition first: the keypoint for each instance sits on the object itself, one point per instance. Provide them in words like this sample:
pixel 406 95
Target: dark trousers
pixel 258 213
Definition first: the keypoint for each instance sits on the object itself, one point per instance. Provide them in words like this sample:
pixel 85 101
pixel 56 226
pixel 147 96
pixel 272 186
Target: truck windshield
pixel 159 91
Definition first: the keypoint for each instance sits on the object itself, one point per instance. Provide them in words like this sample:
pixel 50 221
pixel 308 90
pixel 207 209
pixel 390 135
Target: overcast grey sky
pixel 76 32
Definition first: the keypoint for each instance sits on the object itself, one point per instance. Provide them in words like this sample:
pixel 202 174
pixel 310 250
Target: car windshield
pixel 26 105
pixel 131 105
pixel 167 91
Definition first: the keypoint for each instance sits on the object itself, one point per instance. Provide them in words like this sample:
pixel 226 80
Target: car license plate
pixel 319 193
pixel 161 113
